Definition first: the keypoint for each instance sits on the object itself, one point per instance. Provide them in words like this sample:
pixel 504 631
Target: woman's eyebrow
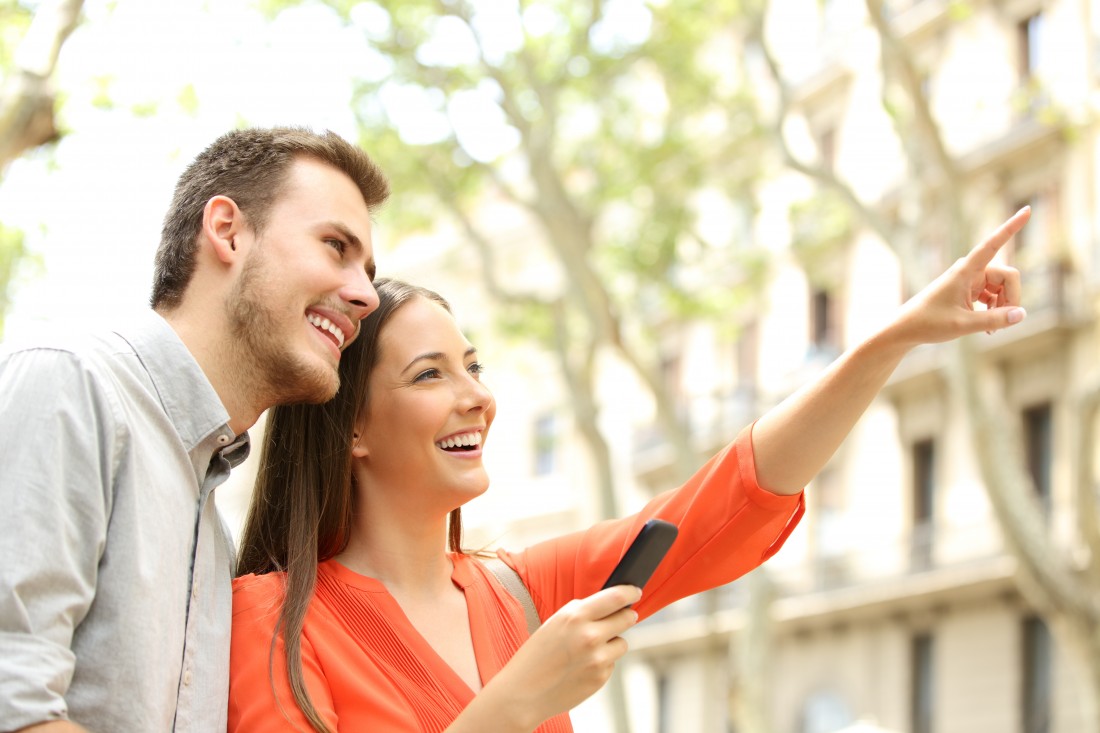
pixel 427 356
pixel 436 356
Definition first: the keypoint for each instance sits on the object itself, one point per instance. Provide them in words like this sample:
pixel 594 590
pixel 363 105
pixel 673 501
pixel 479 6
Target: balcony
pixel 711 421
pixel 922 569
pixel 1054 305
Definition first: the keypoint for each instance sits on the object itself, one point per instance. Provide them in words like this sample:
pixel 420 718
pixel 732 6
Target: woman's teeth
pixel 466 440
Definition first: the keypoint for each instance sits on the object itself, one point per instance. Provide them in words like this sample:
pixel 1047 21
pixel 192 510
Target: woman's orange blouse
pixel 368 669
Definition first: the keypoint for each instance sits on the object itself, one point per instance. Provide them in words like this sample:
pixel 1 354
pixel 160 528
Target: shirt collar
pixel 186 394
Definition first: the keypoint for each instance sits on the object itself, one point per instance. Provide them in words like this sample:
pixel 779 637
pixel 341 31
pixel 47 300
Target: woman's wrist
pixel 493 709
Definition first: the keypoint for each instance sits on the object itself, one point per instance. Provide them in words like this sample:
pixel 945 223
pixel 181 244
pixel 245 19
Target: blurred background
pixel 656 219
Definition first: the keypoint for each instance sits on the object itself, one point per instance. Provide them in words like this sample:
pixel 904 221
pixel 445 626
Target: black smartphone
pixel 644 554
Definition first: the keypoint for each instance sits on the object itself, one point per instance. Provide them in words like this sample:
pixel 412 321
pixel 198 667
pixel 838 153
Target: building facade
pixel 897 604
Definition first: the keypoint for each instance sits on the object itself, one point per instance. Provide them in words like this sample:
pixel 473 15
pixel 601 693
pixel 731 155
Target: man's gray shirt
pixel 115 600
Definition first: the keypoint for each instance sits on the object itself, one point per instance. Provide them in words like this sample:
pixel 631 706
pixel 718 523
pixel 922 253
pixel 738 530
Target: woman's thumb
pixel 998 318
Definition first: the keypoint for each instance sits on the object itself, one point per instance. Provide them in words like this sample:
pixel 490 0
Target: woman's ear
pixel 358 450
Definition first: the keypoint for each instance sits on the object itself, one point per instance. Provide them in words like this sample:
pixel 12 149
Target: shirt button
pixel 223 440
pixel 187 678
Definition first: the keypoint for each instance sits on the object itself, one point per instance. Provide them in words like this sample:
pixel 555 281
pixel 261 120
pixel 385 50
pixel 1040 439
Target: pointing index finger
pixel 983 254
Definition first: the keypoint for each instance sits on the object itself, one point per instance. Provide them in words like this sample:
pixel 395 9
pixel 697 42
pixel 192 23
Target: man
pixel 114 566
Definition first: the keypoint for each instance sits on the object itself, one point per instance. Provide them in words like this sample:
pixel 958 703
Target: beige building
pixel 895 602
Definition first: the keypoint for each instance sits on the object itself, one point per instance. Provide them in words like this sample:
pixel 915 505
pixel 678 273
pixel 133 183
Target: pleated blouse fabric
pixel 368 669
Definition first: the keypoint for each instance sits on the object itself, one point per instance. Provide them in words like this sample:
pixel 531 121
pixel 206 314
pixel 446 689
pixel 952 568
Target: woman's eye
pixel 476 368
pixel 426 374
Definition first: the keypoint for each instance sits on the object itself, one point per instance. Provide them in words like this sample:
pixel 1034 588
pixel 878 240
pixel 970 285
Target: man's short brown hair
pixel 251 167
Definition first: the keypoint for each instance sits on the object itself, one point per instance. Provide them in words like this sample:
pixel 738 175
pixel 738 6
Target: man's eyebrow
pixel 346 233
pixel 437 356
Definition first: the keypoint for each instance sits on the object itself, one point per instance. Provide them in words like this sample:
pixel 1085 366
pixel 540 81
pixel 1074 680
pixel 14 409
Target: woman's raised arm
pixel 794 440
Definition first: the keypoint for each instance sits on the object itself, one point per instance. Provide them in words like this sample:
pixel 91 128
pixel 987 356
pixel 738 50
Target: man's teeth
pixel 461 441
pixel 327 325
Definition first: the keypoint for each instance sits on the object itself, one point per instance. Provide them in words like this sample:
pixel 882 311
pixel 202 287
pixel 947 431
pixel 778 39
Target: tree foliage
pixel 30 41
pixel 611 127
pixel 609 131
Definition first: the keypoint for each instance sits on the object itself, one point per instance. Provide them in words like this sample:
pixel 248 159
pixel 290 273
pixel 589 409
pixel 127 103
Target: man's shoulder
pixel 66 342
pixel 126 344
pixel 58 354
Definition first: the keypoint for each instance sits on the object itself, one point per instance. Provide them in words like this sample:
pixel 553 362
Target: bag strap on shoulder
pixel 512 583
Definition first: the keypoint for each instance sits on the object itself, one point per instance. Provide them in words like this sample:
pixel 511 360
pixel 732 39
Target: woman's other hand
pixel 570 657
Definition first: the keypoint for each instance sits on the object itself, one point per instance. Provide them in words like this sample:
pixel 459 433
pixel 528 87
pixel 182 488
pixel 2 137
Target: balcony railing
pixel 710 420
pixel 900 563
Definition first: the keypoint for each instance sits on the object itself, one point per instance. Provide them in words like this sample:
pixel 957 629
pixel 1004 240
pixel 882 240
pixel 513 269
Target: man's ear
pixel 222 223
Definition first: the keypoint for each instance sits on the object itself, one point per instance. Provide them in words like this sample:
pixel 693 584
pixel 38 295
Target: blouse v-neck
pixel 375 593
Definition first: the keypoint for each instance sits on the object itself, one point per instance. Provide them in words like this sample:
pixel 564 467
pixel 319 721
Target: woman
pixel 350 616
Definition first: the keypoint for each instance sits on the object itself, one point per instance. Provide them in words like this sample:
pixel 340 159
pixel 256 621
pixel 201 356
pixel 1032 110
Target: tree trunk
pixel 579 379
pixel 750 658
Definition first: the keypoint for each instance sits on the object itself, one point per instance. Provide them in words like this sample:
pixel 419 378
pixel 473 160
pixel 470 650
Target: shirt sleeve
pixel 260 700
pixel 57 461
pixel 728 525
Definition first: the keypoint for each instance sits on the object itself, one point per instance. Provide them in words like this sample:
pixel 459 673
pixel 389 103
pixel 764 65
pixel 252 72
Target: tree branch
pixel 27 98
pixel 486 252
pixel 820 173
pixel 913 82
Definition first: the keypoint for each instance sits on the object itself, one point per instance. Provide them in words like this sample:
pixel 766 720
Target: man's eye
pixel 336 244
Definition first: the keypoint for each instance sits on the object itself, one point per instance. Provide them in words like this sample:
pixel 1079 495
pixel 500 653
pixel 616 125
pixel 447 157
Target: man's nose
pixel 359 293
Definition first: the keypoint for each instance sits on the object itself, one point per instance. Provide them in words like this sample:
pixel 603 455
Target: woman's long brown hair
pixel 304 498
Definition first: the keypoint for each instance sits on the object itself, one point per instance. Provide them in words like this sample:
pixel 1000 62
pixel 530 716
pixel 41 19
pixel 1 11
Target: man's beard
pixel 262 346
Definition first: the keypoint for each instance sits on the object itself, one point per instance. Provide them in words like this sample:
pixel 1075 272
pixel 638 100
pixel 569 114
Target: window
pixel 671 368
pixel 1028 39
pixel 824 334
pixel 923 454
pixel 1031 44
pixel 921 691
pixel 1023 245
pixel 665 713
pixel 546 444
pixel 830 540
pixel 1032 252
pixel 1039 449
pixel 825 712
pixel 1036 676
